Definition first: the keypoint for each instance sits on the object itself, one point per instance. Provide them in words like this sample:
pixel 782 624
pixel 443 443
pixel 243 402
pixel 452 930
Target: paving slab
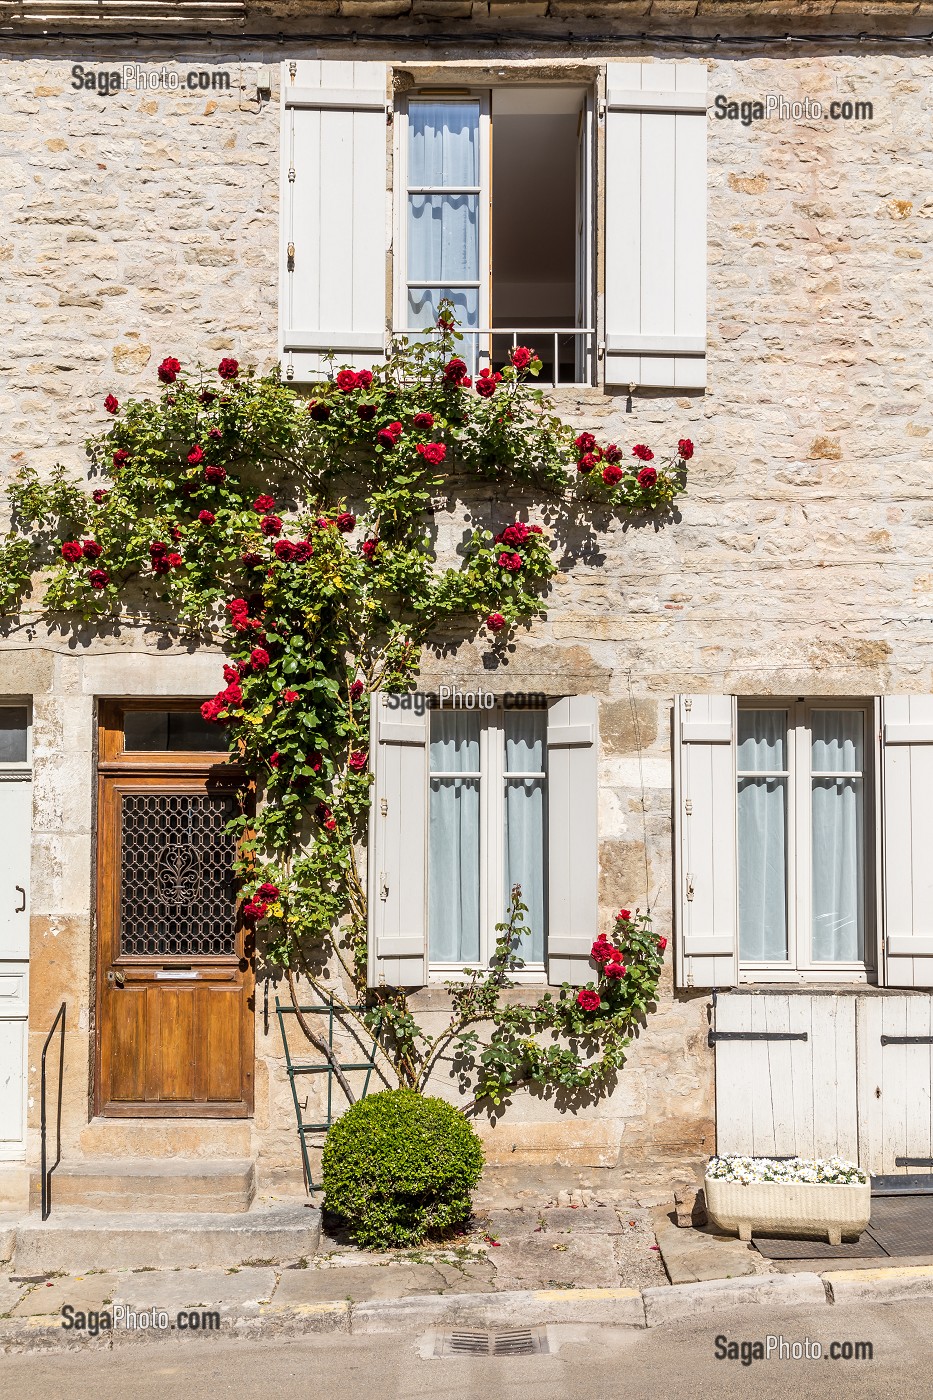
pixel 512 1223
pixel 472 1276
pixel 637 1255
pixel 195 1288
pixel 10 1294
pixel 356 1284
pixel 85 1293
pixel 551 1260
pixel 695 1256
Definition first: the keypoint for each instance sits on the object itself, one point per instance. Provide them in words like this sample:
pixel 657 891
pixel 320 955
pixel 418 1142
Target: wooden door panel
pixel 174 977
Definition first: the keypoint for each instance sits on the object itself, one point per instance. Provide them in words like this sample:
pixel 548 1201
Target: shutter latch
pixel 384 806
pixel 688 806
pixel 689 886
pixel 291 257
pixel 383 885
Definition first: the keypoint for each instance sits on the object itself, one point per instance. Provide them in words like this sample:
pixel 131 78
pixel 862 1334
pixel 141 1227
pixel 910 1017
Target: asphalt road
pixel 586 1363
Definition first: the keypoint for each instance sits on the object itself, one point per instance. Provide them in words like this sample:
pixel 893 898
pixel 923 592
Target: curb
pixel 613 1307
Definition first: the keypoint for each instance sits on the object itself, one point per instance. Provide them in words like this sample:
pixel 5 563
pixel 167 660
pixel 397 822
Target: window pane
pixel 762 741
pixel 838 854
pixel 443 143
pixel 443 237
pixel 164 731
pixel 837 741
pixel 453 840
pixel 762 838
pixel 424 304
pixel 13 726
pixel 525 824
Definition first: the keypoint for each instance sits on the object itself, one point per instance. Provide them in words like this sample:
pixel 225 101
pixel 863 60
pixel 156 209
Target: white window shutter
pixel 573 839
pixel 655 232
pixel 907 839
pixel 397 859
pixel 334 215
pixel 705 841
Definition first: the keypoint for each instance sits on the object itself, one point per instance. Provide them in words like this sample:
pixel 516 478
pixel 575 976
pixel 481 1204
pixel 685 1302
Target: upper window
pixel 14 734
pixel 802 771
pixel 496 221
pixel 487 814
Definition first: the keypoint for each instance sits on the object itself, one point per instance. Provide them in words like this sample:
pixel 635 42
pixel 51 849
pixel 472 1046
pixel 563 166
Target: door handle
pixel 116 977
pixel 20 908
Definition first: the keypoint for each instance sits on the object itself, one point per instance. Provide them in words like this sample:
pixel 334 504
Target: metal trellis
pixel 294 1068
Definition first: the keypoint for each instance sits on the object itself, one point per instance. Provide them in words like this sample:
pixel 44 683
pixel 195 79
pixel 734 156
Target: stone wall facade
pixel 138 225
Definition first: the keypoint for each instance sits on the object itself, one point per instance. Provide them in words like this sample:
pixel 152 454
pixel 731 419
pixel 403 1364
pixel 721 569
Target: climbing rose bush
pixel 293 534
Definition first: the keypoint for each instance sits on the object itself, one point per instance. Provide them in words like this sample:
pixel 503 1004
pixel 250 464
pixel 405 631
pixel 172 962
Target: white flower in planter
pixel 832 1171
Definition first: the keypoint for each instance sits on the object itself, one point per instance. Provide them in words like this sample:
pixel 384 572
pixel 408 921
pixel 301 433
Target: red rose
pixel 215 475
pixel 259 658
pixel 169 369
pixel 231 673
pixel 330 824
pixel 647 477
pixel 263 504
pixel 214 433
pixel 357 761
pixel 304 549
pixel 274 759
pixel 271 525
pixel 320 412
pixel 284 550
pixel 432 452
pixel 356 690
pixel 175 560
pixel 662 944
pixel 210 711
pixel 228 369
pixel 158 548
pixel 160 565
pixel 323 812
pixel 512 562
pixel 206 517
pixel 196 454
pixel 587 462
pixel 250 559
pixel 643 453
pixel 685 448
pixel 385 439
pixel 613 454
pixel 111 404
pixel 98 578
pixel 615 970
pixel 254 910
pixel 238 605
pixel 120 457
pixel 486 384
pixel 71 551
pixel 588 999
pixel 368 548
pixel 612 475
pixel 424 422
pixel 290 696
pixel 395 430
pixel 584 443
pixel 495 622
pixel 455 371
pixel 91 549
pixel 99 497
pixel 514 535
pixel 366 411
pixel 345 522
pixel 347 381
pixel 267 891
pixel 233 695
pixel 206 396
pixel 521 356
pixel 175 533
pixel 602 950
pixel 624 915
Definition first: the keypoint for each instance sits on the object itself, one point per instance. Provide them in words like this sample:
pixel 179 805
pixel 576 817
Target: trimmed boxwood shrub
pixel 399 1167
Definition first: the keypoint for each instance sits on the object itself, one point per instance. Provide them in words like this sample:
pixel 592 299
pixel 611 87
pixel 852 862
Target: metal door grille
pixel 176 875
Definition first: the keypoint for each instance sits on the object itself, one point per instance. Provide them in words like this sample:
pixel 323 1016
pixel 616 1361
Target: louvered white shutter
pixel 655 234
pixel 573 840
pixel 907 839
pixel 334 215
pixel 397 869
pixel 705 841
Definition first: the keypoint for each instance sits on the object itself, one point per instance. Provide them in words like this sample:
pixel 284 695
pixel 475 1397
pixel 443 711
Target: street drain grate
pixel 519 1341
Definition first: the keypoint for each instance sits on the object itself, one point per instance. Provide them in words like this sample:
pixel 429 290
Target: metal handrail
pixel 529 336
pixel 47 1171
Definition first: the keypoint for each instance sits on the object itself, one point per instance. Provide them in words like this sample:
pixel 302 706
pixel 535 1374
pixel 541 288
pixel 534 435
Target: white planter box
pixel 789 1207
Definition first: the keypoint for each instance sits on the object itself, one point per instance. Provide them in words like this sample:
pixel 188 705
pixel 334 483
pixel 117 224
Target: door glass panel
pixel 762 835
pixel 838 844
pixel 171 731
pixel 177 893
pixel 14 721
pixel 525 835
pixel 453 839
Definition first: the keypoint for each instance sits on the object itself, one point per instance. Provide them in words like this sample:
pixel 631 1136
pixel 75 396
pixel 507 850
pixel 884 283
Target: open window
pixel 496 217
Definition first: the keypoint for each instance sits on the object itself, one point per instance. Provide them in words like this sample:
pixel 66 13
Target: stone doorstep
pixel 699 1256
pixel 166 1184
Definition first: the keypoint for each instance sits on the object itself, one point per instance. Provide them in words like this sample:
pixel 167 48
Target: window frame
pixel 800 965
pixel 493 776
pixel 22 768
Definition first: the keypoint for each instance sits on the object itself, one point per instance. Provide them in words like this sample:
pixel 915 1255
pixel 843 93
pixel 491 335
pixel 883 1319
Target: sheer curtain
pixel 453 840
pixel 525 815
pixel 762 835
pixel 838 840
pixel 443 228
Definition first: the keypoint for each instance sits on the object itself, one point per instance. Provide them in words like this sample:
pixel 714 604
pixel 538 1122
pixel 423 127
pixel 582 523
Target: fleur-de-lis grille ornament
pixel 179 875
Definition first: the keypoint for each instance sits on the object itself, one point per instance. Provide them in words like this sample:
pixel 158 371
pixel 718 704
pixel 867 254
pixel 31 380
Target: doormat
pixel 900 1227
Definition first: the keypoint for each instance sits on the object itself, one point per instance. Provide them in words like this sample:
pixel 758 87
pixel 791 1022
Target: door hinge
pixel 291 257
pixel 689 886
pixel 384 806
pixel 383 886
pixel 688 806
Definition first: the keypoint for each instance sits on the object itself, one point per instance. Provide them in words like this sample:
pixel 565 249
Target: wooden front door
pixel 174 978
